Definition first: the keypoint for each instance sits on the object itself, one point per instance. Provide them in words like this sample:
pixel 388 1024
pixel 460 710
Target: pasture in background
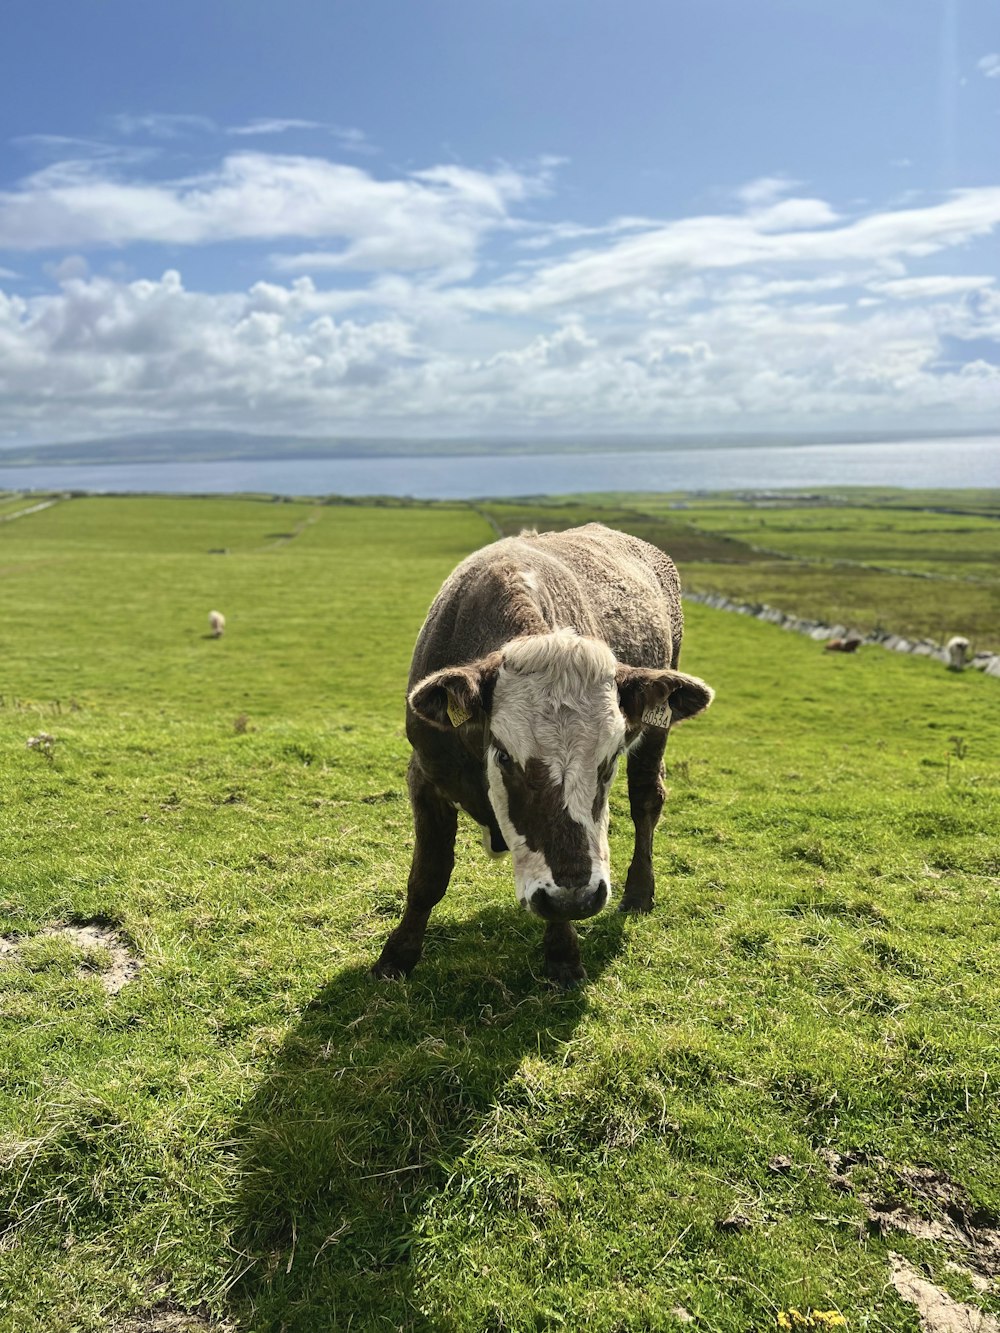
pixel 770 1094
pixel 925 564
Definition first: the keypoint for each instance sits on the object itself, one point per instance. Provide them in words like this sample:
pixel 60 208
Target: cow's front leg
pixel 646 794
pixel 435 821
pixel 561 950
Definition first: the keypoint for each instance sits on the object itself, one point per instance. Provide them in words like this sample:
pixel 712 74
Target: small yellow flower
pixel 789 1320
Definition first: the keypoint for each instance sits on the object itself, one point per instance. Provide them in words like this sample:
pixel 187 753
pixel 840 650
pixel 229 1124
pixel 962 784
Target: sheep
pixel 957 649
pixel 216 623
pixel 849 645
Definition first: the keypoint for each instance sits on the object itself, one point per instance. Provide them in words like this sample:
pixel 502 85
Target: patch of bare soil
pixel 939 1313
pixel 123 967
pixel 923 1202
pixel 926 1203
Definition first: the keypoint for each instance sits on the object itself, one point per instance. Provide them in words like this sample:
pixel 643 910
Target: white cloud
pixel 273 125
pixel 436 216
pixel 928 288
pixel 109 355
pixel 794 215
pixel 60 145
pixel 70 266
pixel 121 352
pixel 765 190
pixel 661 255
pixel 349 138
pixel 552 233
pixel 162 124
pixel 785 313
pixel 990 65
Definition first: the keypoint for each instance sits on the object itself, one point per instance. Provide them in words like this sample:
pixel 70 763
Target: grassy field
pixel 782 1078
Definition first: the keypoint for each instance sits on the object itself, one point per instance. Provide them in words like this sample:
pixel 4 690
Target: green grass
pixel 256 1125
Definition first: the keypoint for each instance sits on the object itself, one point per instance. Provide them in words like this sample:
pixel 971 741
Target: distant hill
pixel 219 445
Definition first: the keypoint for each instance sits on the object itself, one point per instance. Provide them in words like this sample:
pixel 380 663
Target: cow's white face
pixel 555 733
pixel 554 710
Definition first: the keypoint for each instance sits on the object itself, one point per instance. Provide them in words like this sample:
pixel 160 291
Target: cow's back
pixel 605 584
pixel 632 591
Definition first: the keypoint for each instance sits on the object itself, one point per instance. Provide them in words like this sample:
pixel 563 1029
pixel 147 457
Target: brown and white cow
pixel 543 659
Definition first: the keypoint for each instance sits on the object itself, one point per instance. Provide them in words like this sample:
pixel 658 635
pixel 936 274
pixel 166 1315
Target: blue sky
pixel 469 217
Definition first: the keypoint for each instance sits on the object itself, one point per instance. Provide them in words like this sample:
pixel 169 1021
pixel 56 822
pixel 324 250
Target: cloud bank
pixel 438 300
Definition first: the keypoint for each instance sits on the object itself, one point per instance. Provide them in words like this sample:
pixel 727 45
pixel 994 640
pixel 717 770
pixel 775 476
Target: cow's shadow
pixel 367 1107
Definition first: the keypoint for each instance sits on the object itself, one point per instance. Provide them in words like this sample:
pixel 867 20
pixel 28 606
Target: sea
pixel 933 464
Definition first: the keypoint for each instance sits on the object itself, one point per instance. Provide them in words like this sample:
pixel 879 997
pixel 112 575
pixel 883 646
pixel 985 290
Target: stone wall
pixel 986 662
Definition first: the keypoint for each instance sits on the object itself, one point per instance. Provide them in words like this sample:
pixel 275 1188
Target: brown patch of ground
pixel 88 936
pixel 939 1313
pixel 922 1202
pixel 927 1204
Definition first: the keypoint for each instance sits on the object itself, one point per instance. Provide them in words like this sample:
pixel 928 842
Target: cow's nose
pixel 575 907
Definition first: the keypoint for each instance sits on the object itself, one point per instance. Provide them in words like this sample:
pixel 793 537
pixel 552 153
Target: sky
pixel 498 217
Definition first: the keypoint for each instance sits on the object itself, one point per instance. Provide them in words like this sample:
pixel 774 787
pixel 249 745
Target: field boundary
pixel 988 663
pixel 32 509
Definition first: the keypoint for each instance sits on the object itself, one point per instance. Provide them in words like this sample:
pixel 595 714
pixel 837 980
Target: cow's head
pixel 556 711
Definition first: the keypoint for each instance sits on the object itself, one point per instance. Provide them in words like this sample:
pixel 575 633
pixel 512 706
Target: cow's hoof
pixel 391 969
pixel 386 972
pixel 565 975
pixel 636 906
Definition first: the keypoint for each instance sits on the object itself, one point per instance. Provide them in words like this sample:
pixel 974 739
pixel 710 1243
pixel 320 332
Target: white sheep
pixel 957 649
pixel 216 623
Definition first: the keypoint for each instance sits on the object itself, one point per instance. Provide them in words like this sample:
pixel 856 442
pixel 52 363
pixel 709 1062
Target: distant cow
pixel 848 645
pixel 543 659
pixel 957 650
pixel 216 623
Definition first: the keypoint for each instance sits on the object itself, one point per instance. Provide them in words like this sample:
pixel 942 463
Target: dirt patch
pixel 939 1312
pixel 92 938
pixel 927 1204
pixel 952 1216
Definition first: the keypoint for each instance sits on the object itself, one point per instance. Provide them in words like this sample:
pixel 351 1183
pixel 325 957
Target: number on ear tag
pixel 658 715
pixel 456 713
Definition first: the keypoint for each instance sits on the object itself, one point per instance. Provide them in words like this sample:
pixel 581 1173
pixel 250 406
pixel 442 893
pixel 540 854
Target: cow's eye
pixel 502 757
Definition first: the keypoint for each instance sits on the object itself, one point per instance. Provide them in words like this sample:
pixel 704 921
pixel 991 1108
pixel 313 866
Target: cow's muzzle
pixel 555 904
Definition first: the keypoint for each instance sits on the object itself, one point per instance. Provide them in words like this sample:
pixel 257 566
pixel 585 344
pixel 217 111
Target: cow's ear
pixel 456 695
pixel 655 698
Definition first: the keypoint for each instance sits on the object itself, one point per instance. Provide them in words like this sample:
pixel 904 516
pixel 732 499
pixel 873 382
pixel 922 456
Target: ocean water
pixel 918 463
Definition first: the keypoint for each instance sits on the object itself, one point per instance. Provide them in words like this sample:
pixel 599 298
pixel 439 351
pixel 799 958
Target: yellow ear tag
pixel 456 713
pixel 658 715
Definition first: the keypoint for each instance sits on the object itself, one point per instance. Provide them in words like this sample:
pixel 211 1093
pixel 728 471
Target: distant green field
pixel 948 544
pixel 255 1131
pixel 853 558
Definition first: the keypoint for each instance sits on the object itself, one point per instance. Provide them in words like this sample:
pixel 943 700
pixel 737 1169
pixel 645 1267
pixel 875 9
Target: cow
pixel 957 651
pixel 543 659
pixel 849 645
